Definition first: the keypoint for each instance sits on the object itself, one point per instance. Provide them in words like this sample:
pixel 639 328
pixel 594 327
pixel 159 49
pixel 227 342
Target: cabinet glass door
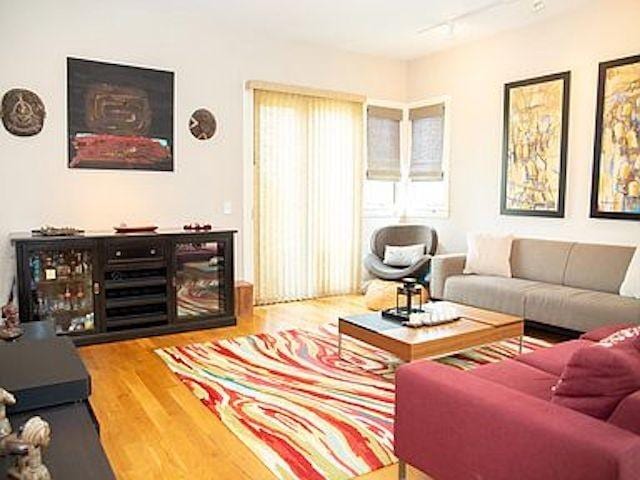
pixel 61 288
pixel 200 289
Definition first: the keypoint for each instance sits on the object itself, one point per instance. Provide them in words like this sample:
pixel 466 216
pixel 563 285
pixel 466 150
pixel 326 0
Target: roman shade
pixel 427 142
pixel 383 143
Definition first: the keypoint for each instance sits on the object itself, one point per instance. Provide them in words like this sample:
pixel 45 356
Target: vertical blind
pixel 427 142
pixel 308 154
pixel 383 143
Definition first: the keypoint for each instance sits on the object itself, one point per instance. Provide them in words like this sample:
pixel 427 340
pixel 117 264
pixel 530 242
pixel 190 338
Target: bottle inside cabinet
pixel 200 279
pixel 61 288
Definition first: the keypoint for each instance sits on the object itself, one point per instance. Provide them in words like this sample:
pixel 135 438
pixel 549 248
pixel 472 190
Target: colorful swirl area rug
pixel 307 414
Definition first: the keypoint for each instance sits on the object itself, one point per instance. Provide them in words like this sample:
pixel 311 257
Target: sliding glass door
pixel 308 167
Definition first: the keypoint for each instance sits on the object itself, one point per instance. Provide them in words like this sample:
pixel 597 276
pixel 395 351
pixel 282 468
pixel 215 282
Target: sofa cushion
pixel 627 413
pixel 553 360
pixel 597 267
pixel 539 260
pixel 493 293
pixel 519 376
pixel 598 377
pixel 578 309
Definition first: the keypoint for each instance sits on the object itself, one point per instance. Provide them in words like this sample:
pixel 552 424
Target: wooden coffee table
pixel 475 327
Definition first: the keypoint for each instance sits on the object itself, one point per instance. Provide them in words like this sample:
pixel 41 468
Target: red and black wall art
pixel 119 117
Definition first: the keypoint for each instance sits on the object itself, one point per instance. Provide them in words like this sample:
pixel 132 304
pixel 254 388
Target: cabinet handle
pixel 96 288
pixel 152 251
pixel 118 253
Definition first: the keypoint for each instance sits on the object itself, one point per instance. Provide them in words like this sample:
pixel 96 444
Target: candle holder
pixel 412 293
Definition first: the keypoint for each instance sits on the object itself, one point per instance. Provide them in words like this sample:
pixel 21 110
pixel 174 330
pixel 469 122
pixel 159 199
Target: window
pixel 407 178
pixel 383 159
pixel 427 143
pixel 427 183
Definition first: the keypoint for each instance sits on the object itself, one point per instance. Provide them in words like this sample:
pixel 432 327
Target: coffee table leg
pixel 521 342
pixel 339 345
pixel 402 470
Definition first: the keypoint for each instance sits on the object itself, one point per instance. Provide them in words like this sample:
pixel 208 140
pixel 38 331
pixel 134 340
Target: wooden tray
pixel 138 229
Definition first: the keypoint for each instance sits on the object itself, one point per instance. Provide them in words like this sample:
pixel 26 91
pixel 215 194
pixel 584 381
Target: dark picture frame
pixel 119 117
pixel 508 155
pixel 601 126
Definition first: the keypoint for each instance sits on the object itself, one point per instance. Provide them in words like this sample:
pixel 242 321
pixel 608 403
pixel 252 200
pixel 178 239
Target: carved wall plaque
pixel 202 124
pixel 22 112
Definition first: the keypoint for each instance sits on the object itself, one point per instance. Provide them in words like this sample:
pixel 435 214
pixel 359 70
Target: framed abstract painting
pixel 534 154
pixel 615 188
pixel 119 117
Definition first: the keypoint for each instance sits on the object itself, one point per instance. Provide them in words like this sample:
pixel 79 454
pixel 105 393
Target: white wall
pixel 211 64
pixel 474 76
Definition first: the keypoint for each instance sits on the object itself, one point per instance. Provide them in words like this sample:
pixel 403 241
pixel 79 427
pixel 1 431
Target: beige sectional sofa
pixel 564 284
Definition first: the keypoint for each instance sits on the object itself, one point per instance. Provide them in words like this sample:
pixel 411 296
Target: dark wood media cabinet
pixel 100 287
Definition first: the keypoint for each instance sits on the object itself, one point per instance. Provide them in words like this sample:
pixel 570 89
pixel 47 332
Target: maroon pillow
pixel 597 377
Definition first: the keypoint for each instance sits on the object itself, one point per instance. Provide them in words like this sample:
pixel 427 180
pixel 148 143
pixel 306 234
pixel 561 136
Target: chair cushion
pixel 402 256
pixel 598 377
pixel 519 376
pixel 578 309
pixel 378 269
pixel 597 267
pixel 403 235
pixel 553 360
pixel 493 293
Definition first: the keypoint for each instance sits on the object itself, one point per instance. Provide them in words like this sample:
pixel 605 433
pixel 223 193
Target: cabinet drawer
pixel 135 251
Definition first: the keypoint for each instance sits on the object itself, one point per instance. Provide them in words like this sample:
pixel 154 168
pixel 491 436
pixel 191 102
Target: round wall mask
pixel 22 112
pixel 202 124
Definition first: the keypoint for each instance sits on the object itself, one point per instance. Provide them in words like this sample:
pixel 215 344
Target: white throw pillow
pixel 403 256
pixel 631 284
pixel 489 254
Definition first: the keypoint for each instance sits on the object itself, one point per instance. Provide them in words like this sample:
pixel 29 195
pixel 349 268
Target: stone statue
pixel 36 434
pixel 10 328
pixel 6 398
pixel 10 445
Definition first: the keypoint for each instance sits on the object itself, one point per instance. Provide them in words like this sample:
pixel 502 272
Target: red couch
pixel 497 422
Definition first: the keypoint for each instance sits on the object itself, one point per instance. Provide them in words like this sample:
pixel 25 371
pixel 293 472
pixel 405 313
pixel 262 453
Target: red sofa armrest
pixel 453 425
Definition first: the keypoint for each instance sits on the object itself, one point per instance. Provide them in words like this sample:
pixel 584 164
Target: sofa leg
pixel 402 470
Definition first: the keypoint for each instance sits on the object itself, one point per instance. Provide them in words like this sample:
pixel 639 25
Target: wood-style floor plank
pixel 152 426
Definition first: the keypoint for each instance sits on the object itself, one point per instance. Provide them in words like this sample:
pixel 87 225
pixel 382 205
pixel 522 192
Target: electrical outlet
pixel 226 207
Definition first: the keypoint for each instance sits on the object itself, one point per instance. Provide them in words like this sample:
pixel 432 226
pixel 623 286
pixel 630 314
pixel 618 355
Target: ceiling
pixel 389 28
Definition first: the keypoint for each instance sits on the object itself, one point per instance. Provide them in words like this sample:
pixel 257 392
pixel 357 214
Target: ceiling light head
pixel 538 5
pixel 448 29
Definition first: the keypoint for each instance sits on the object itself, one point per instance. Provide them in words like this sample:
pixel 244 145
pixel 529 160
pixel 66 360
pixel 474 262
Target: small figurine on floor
pixel 10 328
pixel 6 398
pixel 36 433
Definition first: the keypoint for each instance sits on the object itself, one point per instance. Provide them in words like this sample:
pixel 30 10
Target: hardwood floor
pixel 152 426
